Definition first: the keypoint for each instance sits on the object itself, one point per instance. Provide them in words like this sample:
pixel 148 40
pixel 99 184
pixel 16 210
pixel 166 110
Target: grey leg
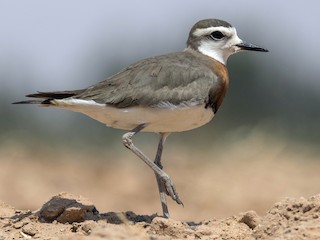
pixel 161 186
pixel 161 175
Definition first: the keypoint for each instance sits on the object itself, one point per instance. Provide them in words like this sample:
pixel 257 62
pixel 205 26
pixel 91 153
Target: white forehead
pixel 228 31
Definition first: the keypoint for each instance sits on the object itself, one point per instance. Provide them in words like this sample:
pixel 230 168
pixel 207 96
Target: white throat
pixel 215 53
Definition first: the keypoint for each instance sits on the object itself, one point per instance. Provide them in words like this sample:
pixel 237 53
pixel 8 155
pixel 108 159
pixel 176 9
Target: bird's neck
pixel 216 66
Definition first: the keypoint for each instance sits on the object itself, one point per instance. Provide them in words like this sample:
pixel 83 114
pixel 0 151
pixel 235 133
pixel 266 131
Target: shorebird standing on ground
pixel 164 94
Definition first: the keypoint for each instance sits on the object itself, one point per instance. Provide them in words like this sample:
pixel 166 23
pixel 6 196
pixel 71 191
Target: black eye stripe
pixel 217 35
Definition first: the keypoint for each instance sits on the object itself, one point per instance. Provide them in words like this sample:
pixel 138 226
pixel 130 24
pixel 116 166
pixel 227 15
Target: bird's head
pixel 218 39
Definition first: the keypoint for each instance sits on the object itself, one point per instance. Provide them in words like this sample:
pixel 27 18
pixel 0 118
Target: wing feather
pixel 174 78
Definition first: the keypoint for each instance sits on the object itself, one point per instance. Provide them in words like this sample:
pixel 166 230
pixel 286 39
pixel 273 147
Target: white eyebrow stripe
pixel 206 31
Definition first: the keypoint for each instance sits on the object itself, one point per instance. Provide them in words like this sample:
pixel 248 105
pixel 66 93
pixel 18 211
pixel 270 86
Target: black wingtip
pixel 47 97
pixel 43 102
pixel 24 102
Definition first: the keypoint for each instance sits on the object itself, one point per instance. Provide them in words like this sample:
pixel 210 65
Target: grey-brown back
pixel 184 77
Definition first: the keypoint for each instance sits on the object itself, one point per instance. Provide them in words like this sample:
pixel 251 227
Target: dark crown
pixel 205 23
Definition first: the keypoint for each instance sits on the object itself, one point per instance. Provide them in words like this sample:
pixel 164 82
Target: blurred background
pixel 262 145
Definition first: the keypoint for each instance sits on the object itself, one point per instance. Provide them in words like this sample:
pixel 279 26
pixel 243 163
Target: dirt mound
pixel 70 217
pixel 291 219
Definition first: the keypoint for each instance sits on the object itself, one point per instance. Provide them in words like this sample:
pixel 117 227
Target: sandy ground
pixel 69 217
pixel 235 193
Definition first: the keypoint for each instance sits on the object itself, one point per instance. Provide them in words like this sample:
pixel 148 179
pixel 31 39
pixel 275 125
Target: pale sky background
pixel 58 45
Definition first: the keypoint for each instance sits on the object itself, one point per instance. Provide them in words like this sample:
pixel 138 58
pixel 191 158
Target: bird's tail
pixel 45 98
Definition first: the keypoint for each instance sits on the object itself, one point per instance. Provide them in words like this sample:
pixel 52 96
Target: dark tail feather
pixel 48 96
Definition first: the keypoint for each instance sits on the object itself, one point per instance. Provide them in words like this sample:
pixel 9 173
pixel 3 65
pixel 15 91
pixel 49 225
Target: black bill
pixel 251 47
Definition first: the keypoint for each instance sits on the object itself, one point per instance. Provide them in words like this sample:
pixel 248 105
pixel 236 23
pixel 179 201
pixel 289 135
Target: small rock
pixel 88 226
pixel 51 211
pixel 18 225
pixel 75 227
pixel 29 229
pixel 72 214
pixel 21 223
pixel 307 208
pixel 251 219
pixel 66 208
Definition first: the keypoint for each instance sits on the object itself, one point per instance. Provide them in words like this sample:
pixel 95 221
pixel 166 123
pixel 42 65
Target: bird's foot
pixel 170 188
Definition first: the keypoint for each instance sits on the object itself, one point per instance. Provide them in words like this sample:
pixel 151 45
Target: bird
pixel 170 93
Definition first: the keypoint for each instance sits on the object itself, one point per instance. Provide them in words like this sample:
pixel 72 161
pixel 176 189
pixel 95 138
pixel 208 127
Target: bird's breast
pixel 221 71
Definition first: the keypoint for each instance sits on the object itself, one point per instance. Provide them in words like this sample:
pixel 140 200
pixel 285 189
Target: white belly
pixel 163 119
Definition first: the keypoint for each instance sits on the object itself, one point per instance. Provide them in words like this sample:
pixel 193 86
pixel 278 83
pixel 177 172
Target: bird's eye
pixel 217 35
